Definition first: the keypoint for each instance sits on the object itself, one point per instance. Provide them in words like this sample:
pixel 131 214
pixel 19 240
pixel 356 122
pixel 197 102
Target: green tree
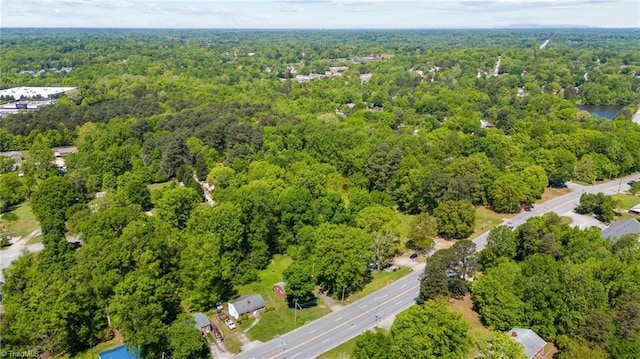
pixel 383 224
pixel 203 284
pixel 508 193
pixel 499 346
pixel 601 205
pixel 185 341
pixel 142 308
pixel 455 219
pixel 430 331
pixel 501 242
pixel 134 190
pixel 373 345
pixel 39 164
pixel 300 283
pixel 422 232
pixel 434 279
pixel 52 199
pixel 341 258
pixel 12 190
pixel 175 205
pixel 498 305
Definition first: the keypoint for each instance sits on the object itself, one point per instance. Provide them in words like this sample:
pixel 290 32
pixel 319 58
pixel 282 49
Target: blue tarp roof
pixel 120 352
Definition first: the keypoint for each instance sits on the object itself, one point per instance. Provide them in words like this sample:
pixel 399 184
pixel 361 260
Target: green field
pixel 34 240
pixel 380 280
pixel 626 200
pixel 156 186
pixel 486 220
pixel 25 222
pixel 342 351
pixel 279 318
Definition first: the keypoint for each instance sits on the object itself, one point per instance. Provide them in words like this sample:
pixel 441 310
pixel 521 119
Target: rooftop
pixel 529 339
pixel 248 303
pixel 201 320
pixel 621 228
pixel 30 92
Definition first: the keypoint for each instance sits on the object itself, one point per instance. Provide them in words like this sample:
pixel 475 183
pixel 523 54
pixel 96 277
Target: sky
pixel 319 14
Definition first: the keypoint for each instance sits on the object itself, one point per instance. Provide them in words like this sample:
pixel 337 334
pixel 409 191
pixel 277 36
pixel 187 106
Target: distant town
pixel 28 98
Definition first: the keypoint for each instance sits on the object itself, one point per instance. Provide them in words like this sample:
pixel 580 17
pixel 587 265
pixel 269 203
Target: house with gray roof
pixel 621 228
pixel 248 304
pixel 202 322
pixel 533 344
pixel 635 209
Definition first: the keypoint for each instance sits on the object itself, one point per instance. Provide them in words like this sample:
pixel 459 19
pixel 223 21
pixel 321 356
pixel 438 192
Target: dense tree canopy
pixel 318 170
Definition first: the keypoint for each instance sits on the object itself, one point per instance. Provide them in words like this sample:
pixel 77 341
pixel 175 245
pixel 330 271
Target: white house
pixel 246 305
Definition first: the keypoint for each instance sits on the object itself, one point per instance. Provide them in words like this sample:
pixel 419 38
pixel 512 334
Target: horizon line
pixel 507 27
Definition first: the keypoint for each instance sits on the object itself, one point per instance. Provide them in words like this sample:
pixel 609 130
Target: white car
pixel 230 324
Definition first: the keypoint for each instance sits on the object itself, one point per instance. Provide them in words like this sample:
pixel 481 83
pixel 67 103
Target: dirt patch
pixel 551 193
pixel 464 306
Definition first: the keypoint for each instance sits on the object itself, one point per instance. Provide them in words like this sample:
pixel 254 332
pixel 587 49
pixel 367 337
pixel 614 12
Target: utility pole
pixel 619 185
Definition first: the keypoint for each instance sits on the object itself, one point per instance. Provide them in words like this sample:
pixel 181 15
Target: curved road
pixel 339 326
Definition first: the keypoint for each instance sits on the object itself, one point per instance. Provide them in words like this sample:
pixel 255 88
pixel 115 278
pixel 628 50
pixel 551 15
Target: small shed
pixel 249 304
pixel 202 323
pixel 635 209
pixel 278 290
pixel 533 344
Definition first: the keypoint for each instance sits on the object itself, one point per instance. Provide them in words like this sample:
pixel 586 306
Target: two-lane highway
pixel 337 327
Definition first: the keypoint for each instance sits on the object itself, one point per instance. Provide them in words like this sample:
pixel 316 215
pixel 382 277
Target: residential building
pixel 249 304
pixel 533 344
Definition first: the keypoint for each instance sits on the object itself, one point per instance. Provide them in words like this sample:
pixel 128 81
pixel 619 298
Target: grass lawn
pixel 486 220
pixel 464 306
pixel 279 318
pixel 566 220
pixel 93 353
pixel 156 186
pixel 405 225
pixel 24 223
pixel 34 240
pixel 551 193
pixel 379 281
pixel 342 351
pixel 626 200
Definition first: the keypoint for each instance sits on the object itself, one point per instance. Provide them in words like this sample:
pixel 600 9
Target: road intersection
pixel 325 333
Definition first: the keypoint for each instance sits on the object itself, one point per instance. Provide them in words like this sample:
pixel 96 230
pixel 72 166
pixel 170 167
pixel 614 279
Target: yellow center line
pixel 413 287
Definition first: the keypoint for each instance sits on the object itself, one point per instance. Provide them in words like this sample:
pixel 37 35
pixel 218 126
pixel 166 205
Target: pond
pixel 607 111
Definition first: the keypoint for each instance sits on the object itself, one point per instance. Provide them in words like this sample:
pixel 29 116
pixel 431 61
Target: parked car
pixel 230 324
pixel 216 333
pixel 630 183
pixel 413 255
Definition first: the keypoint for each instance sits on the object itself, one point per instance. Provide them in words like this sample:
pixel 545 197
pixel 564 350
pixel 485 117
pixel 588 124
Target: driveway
pixel 583 221
pixel 16 249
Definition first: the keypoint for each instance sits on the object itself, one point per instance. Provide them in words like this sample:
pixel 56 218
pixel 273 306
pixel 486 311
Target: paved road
pixel 19 247
pixel 337 327
pixel 16 249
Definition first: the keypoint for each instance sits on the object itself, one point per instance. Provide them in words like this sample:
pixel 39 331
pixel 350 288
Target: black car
pixel 413 255
pixel 630 183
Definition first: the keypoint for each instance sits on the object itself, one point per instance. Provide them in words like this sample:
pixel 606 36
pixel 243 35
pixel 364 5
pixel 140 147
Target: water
pixel 607 111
